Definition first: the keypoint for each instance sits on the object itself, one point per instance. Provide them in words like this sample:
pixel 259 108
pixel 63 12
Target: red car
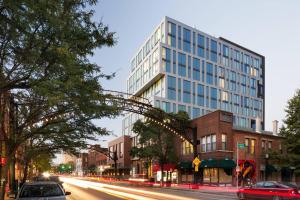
pixel 270 190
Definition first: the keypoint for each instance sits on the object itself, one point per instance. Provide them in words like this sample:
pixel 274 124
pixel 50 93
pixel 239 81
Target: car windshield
pixel 47 190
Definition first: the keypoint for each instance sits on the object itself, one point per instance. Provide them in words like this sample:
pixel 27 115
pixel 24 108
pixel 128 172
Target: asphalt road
pixel 89 190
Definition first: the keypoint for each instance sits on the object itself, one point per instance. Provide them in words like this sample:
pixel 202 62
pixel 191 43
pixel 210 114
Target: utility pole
pixel 113 157
pixel 195 143
pixel 237 165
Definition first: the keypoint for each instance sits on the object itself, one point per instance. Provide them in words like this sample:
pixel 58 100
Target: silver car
pixel 42 191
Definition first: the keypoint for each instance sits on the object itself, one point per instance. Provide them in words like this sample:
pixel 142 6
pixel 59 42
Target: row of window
pixel 194 93
pixel 144 72
pixel 205 47
pixel 192 67
pixel 150 44
pixel 119 148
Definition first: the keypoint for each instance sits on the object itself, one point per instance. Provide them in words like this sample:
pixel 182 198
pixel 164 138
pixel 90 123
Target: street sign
pixel 241 146
pixel 196 162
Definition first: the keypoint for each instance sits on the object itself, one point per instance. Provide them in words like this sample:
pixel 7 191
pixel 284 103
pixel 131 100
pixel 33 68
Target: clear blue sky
pixel 269 27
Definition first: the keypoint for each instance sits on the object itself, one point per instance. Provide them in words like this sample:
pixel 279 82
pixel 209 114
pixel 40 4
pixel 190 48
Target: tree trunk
pixel 25 172
pixel 162 174
pixel 115 168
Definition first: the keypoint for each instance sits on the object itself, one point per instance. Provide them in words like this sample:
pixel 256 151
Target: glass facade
pixel 197 73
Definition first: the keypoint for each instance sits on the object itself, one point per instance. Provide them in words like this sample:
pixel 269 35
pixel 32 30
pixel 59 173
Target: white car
pixel 42 191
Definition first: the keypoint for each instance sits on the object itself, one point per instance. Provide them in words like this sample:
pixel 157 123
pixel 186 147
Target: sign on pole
pixel 196 162
pixel 241 146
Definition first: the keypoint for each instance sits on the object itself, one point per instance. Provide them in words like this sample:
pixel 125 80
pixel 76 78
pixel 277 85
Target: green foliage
pixel 42 162
pixel 44 62
pixel 291 132
pixel 157 142
pixel 92 169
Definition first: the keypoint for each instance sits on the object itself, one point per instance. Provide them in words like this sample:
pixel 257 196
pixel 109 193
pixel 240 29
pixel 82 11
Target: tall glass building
pixel 181 68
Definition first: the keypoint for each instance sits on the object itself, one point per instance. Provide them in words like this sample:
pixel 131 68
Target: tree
pixel 156 142
pixel 92 169
pixel 44 65
pixel 291 132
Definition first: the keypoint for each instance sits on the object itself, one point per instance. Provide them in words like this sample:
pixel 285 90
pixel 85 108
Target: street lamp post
pixel 266 163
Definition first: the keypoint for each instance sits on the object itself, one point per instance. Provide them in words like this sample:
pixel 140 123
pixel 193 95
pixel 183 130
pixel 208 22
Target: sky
pixel 268 27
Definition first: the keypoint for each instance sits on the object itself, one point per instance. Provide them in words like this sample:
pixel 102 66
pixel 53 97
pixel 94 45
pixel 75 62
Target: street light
pixel 266 163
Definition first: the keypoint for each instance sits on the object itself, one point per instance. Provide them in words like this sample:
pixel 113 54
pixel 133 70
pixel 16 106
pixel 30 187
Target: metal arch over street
pixel 139 105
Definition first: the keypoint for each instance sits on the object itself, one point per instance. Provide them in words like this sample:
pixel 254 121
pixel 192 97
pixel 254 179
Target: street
pixel 89 190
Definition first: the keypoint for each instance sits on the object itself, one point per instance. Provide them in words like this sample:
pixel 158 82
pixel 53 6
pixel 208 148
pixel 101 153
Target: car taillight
pixel 295 191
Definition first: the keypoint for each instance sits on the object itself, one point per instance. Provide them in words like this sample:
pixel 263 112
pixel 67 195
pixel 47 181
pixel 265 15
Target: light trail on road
pixel 122 191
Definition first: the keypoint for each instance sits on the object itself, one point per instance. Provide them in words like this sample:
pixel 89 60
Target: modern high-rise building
pixel 181 68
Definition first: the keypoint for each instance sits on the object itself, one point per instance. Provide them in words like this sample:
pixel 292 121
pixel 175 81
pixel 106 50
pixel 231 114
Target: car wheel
pixel 276 198
pixel 241 196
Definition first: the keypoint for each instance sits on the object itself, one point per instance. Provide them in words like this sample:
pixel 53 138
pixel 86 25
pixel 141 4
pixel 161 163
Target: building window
pixel 252 148
pixel 196 69
pixel 186 40
pixel 280 148
pixel 247 145
pixel 121 150
pixel 179 37
pixel 171 88
pixel 213 98
pixel 182 64
pixel 166 59
pixel 224 141
pixel 221 82
pixel 213 142
pixel 213 51
pixel 208 143
pixel 186 91
pixel 225 58
pixel 172 34
pixel 200 46
pixel 209 73
pixel 200 95
pixel 270 145
pixel 263 145
pixel 181 107
pixel 196 112
pixel 187 148
pixel 179 89
pixel 203 144
pixel 165 106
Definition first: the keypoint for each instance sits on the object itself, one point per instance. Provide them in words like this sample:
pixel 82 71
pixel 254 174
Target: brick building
pixel 97 157
pixel 122 146
pixel 217 149
pixel 81 164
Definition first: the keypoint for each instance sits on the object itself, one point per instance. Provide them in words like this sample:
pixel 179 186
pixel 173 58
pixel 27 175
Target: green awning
pixel 212 163
pixel 185 165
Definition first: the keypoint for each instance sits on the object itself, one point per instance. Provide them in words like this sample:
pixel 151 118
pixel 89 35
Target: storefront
pixel 170 172
pixel 186 173
pixel 217 171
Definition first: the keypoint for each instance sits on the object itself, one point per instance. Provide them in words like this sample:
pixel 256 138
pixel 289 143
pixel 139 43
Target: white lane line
pixel 92 185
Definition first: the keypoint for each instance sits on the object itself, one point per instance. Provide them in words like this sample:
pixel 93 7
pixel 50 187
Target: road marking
pixel 92 185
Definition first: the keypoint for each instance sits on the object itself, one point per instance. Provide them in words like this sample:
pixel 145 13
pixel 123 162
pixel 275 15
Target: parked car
pixel 272 190
pixel 42 190
pixel 48 178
